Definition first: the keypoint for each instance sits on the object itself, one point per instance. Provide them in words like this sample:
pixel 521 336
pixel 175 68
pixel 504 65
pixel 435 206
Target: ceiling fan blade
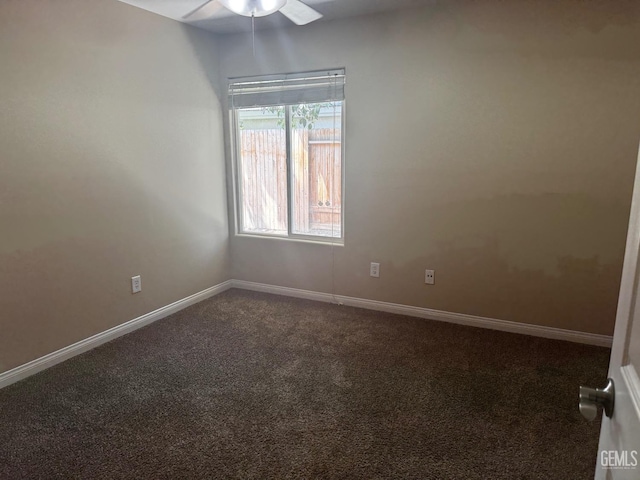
pixel 206 10
pixel 299 13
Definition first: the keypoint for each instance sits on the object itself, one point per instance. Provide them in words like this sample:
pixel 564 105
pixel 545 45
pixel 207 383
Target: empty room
pixel 306 239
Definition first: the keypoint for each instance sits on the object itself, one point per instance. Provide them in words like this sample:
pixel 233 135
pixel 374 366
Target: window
pixel 288 154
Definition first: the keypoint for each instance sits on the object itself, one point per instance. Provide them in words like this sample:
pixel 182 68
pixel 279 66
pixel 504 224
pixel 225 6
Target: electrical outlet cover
pixel 136 284
pixel 374 270
pixel 430 277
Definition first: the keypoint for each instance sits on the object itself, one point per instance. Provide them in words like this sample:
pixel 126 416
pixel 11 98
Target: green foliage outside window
pixel 303 115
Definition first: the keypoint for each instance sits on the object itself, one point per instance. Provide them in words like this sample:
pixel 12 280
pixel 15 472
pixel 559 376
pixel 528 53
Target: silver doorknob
pixel 590 398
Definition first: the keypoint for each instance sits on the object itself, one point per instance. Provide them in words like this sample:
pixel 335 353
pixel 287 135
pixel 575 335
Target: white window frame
pixel 237 175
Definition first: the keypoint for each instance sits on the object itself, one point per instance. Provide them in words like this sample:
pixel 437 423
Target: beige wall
pixel 111 165
pixel 494 142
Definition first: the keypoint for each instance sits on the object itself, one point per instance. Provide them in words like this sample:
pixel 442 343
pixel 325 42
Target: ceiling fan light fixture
pixel 254 8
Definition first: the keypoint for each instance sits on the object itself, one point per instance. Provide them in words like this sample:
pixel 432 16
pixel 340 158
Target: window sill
pixel 338 242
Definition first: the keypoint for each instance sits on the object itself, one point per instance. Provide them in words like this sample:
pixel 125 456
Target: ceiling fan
pixel 294 10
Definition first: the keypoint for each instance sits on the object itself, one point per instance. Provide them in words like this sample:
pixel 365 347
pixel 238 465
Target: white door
pixel 619 449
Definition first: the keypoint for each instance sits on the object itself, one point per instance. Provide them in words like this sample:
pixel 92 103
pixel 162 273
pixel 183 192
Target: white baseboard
pixel 430 314
pixel 42 363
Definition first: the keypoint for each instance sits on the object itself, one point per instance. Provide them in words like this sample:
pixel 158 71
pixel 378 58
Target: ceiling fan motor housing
pixel 254 8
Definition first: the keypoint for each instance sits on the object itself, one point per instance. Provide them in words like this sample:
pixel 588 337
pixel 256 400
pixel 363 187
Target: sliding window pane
pixel 316 169
pixel 263 170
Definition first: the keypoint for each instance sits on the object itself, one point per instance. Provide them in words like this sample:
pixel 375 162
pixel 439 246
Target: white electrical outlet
pixel 374 270
pixel 136 284
pixel 430 277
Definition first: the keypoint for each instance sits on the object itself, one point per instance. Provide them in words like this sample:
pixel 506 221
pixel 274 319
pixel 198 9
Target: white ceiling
pixel 227 22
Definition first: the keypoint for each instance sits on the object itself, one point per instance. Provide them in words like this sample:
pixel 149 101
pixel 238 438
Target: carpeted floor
pixel 250 385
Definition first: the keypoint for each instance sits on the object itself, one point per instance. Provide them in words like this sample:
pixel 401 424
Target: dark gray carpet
pixel 249 385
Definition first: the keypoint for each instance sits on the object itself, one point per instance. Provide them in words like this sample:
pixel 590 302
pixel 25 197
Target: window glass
pixel 262 153
pixel 316 169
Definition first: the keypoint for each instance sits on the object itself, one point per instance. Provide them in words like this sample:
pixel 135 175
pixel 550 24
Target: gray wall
pixel 494 142
pixel 112 165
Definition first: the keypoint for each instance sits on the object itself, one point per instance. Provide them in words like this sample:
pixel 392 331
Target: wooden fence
pixel 316 184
